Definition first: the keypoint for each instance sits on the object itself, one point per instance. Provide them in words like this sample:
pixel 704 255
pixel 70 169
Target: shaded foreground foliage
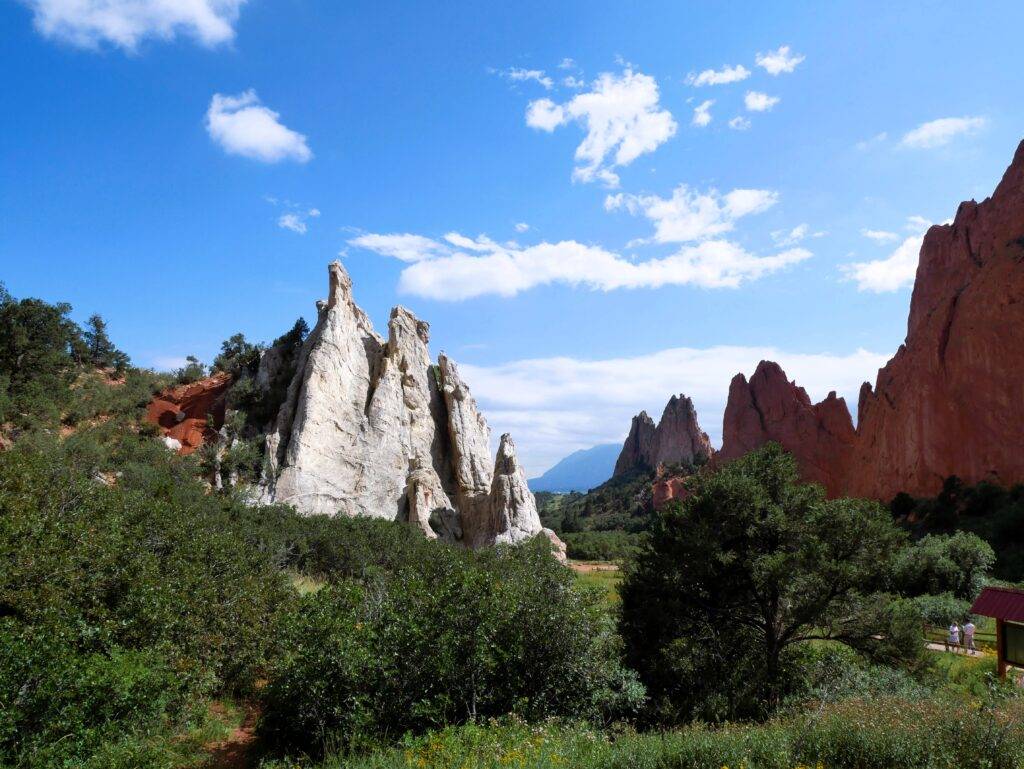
pixel 719 608
pixel 883 733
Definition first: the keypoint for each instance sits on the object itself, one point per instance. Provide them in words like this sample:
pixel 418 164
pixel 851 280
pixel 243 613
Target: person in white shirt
pixel 969 637
pixel 954 637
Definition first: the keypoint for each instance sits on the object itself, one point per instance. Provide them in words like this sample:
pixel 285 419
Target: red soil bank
pixel 182 412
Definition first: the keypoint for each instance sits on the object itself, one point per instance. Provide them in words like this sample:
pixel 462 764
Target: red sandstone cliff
pixel 950 402
pixel 771 408
pixel 182 412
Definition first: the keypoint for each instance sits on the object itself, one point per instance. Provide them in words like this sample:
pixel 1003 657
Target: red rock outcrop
pixel 950 402
pixel 771 408
pixel 183 413
pixel 677 440
pixel 667 488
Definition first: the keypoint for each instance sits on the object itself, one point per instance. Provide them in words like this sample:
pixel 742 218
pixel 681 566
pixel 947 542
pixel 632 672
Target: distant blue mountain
pixel 580 471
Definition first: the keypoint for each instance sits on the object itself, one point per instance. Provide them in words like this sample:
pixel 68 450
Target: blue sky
pixel 189 170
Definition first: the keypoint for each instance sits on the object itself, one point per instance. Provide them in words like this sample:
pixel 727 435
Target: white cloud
pixel 125 23
pixel 622 117
pixel 739 123
pixel 721 77
pixel 890 274
pixel 880 236
pixel 917 224
pixel 778 61
pixel 554 406
pixel 571 81
pixel 293 222
pixel 874 141
pixel 243 126
pixel 756 101
pixel 404 247
pixel 702 113
pixel 798 234
pixel 537 75
pixel 482 267
pixel 545 115
pixel 567 63
pixel 938 133
pixel 522 227
pixel 690 215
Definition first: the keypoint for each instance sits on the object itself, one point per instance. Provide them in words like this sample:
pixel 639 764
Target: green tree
pixel 102 352
pixel 39 347
pixel 238 356
pixel 192 371
pixel 750 567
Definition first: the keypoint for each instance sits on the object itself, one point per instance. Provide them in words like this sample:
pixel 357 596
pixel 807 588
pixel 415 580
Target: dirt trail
pixel 237 750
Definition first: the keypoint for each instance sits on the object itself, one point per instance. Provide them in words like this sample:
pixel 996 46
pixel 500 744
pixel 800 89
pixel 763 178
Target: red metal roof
pixel 1000 602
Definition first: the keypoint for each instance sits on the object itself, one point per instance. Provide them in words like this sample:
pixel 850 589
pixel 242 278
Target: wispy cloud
pixel 778 61
pixel 690 215
pixel 938 133
pixel 739 123
pixel 718 77
pixel 469 268
pixel 241 125
pixel 126 23
pixel 702 114
pixel 880 236
pixel 537 75
pixel 756 101
pixel 622 117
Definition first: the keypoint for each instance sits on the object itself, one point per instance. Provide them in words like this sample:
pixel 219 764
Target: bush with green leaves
pixel 753 565
pixel 146 587
pixel 447 637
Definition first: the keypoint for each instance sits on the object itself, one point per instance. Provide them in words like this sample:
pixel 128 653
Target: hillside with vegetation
pixel 149 615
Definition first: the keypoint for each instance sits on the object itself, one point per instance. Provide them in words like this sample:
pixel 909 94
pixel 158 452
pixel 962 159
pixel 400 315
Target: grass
pixel 603 579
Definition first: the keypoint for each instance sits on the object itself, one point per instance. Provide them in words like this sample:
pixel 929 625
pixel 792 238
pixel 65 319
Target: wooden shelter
pixel 1006 606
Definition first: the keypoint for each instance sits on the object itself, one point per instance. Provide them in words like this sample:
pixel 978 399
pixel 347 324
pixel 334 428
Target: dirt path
pixel 586 567
pixel 237 750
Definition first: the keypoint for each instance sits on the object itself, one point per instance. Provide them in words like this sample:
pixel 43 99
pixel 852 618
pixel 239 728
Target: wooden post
pixel 1000 649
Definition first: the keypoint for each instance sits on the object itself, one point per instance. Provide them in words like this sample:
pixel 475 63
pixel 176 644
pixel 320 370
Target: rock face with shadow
pixel 372 427
pixel 677 440
pixel 950 402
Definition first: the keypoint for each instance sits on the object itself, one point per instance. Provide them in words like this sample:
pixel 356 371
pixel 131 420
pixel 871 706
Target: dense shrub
pixel 121 602
pixel 447 637
pixel 994 513
pixel 855 734
pixel 750 567
pixel 59 705
pixel 602 545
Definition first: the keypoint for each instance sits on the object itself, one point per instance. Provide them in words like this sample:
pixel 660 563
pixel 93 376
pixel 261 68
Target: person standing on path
pixel 954 637
pixel 969 638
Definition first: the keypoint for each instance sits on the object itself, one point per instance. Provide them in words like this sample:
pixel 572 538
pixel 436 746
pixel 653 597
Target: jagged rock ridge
pixel 950 402
pixel 676 440
pixel 371 427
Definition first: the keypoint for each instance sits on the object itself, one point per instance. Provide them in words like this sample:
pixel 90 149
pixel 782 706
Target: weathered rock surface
pixel 371 427
pixel 676 441
pixel 771 408
pixel 950 402
pixel 190 414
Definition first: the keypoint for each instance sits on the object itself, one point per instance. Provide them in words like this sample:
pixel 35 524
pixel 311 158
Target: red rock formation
pixel 771 408
pixel 667 488
pixel 950 402
pixel 677 440
pixel 182 412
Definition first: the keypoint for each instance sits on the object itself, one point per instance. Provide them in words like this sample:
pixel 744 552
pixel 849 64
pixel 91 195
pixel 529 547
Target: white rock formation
pixel 370 427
